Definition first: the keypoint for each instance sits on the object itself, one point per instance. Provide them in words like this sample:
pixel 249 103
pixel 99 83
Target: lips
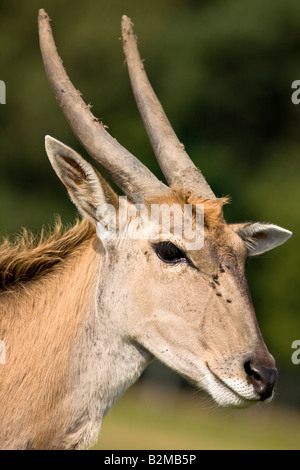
pixel 230 392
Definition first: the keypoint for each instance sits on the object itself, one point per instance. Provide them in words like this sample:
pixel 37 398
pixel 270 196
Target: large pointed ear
pixel 260 237
pixel 86 187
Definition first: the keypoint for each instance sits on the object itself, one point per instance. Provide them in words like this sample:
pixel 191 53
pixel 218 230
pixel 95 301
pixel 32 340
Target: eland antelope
pixel 82 313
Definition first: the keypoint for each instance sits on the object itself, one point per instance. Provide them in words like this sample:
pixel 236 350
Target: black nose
pixel 262 378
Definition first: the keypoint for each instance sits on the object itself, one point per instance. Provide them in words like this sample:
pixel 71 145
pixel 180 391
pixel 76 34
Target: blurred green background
pixel 223 71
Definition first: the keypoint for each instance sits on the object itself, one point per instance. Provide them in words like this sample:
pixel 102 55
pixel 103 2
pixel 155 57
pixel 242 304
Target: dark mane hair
pixel 28 257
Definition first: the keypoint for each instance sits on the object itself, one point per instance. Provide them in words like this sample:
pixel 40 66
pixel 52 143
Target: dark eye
pixel 169 253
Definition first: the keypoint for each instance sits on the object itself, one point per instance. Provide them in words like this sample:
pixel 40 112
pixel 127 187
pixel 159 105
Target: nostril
pixel 262 378
pixel 252 371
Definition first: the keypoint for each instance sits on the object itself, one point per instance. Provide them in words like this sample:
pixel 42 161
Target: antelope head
pixel 188 306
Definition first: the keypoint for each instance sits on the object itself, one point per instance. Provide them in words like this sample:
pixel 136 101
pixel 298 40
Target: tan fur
pixel 39 326
pixel 80 325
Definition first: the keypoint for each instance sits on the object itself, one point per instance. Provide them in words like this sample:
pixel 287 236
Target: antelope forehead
pixel 220 249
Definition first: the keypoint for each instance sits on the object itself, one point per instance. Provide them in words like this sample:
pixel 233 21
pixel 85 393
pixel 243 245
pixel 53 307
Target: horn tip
pixel 43 14
pixel 126 19
pixel 127 25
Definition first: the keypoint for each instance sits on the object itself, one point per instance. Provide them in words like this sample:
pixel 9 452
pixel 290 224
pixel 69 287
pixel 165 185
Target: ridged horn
pixel 135 179
pixel 176 165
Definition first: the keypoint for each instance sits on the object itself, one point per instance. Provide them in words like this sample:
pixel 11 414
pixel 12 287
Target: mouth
pixel 230 392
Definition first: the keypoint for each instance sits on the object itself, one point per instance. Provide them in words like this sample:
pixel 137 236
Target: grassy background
pixel 151 418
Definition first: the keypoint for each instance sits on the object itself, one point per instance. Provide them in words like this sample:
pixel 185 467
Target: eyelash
pixel 169 253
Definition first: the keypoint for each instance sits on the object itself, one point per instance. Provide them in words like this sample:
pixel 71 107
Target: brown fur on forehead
pixel 213 208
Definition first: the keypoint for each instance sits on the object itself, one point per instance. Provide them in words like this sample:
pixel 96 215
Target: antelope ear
pixel 260 237
pixel 86 187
